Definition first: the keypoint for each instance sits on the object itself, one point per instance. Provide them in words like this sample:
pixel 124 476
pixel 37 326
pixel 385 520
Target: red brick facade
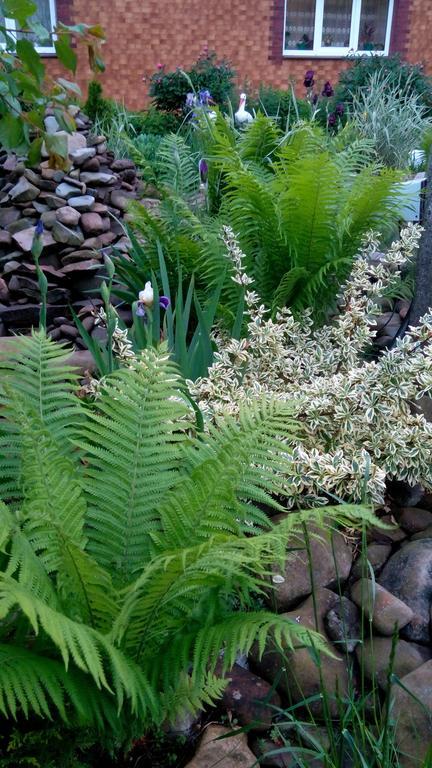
pixel 248 32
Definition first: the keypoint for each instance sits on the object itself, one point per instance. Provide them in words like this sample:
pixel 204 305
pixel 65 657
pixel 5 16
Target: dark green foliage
pixel 137 547
pixel 410 77
pixel 169 89
pixel 96 106
pixel 154 121
pixel 280 105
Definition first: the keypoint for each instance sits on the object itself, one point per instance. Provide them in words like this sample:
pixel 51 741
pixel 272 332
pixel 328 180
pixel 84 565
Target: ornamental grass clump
pixel 360 423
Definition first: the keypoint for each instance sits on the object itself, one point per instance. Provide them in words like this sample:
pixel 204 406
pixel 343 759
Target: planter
pixel 413 197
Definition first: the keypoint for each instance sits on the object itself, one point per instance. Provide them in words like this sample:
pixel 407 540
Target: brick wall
pixel 173 32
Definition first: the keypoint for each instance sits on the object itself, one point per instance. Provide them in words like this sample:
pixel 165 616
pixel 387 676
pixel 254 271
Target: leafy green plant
pixel 395 120
pixel 169 89
pixel 130 548
pixel 97 107
pixel 26 90
pixel 280 105
pixel 410 78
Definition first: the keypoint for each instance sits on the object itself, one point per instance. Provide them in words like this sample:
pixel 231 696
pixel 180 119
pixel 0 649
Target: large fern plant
pixel 132 550
pixel 300 204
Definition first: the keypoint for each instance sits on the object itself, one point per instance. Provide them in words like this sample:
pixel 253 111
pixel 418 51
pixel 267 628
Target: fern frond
pixel 177 165
pixel 131 441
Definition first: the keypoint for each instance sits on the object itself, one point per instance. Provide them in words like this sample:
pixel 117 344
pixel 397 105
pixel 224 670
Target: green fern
pixel 138 548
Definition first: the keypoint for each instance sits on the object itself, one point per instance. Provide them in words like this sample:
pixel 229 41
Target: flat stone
pixel 98 179
pixel 66 190
pixel 408 576
pixel 75 140
pixel 122 164
pixel 386 536
pixel 376 555
pixel 81 266
pixel 413 519
pixel 25 239
pixel 92 165
pixel 5 237
pixel 412 711
pixel 52 174
pixel 79 156
pixel 68 216
pixel 386 611
pixel 48 219
pixel 51 124
pixel 8 216
pixel 67 235
pixel 32 177
pixel 70 331
pixel 214 751
pixel 249 698
pixel 26 315
pixel 374 656
pixel 92 223
pixel 120 200
pixel 331 559
pixel 11 266
pixel 82 202
pixel 426 534
pixel 296 673
pixel 4 290
pixel 342 624
pixel 23 191
pixel 81 255
pixel 52 201
pixel 19 225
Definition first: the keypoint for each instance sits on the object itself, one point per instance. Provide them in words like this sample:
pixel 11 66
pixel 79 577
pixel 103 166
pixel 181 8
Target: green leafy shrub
pixel 410 78
pixel 154 121
pixel 280 105
pixel 131 549
pixel 97 107
pixel 169 89
pixel 25 88
pixel 360 416
pixel 395 120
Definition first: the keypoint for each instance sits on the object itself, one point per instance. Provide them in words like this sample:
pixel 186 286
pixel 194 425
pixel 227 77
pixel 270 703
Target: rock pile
pixel 371 628
pixel 81 211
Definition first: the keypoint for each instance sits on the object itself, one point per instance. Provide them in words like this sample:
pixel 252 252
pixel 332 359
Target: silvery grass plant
pixel 394 119
pixel 359 414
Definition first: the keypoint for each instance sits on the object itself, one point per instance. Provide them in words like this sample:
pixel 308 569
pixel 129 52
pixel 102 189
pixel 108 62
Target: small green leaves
pixel 12 134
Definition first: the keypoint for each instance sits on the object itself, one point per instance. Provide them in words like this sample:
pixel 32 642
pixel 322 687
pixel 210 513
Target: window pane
pixel 300 22
pixel 373 25
pixel 336 24
pixel 43 17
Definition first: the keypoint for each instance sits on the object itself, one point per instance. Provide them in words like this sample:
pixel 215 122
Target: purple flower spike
pixel 39 228
pixel 203 170
pixel 332 119
pixel 164 302
pixel 140 310
pixel 315 99
pixel 327 90
pixel 309 78
pixel 340 109
pixel 204 96
pixel 190 100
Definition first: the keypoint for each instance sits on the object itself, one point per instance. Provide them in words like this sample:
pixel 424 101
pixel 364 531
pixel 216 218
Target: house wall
pixel 139 35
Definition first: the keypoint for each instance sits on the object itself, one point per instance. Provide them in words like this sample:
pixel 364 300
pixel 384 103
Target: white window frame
pixel 10 25
pixel 319 51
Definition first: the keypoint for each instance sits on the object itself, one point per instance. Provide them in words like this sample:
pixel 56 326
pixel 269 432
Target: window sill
pixel 330 55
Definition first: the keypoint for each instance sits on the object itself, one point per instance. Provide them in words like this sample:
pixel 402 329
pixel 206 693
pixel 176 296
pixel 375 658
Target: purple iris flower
pixel 190 100
pixel 340 109
pixel 332 119
pixel 39 229
pixel 141 310
pixel 164 302
pixel 315 99
pixel 204 96
pixel 309 78
pixel 203 170
pixel 327 90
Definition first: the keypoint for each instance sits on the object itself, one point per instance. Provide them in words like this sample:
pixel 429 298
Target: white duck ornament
pixel 242 116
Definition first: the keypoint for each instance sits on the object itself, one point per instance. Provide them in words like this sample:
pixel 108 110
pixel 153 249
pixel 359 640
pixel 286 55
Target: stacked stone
pixel 81 211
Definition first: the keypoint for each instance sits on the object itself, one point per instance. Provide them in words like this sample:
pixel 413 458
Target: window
pixel 45 17
pixel 337 27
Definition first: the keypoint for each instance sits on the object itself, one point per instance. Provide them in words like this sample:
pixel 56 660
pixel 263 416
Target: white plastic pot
pixel 412 197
